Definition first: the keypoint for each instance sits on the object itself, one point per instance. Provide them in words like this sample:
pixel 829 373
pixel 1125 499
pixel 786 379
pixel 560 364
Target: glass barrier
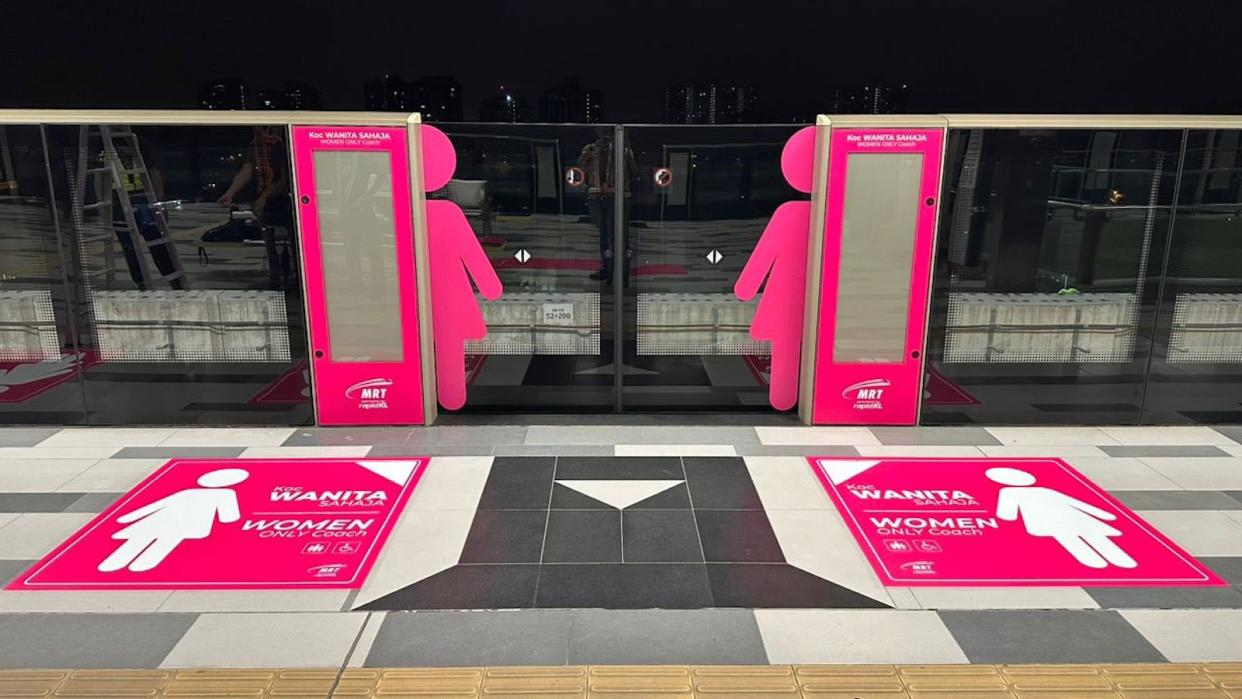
pixel 180 253
pixel 1049 254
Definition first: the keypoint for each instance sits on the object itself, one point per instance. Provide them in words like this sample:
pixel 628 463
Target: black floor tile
pixel 624 586
pixel 583 536
pixel 619 468
pixel 518 483
pixel 466 587
pixel 675 498
pixel 505 536
pixel 661 536
pixel 721 483
pixel 778 585
pixel 736 536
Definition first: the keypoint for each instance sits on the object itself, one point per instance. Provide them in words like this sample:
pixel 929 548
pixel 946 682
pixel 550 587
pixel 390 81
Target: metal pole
pixel 618 266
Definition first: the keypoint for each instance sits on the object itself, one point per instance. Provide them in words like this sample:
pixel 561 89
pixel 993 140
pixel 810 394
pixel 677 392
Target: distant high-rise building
pixel 504 106
pixel 570 103
pixel 709 103
pixel 294 95
pixel 224 93
pixel 871 99
pixel 435 97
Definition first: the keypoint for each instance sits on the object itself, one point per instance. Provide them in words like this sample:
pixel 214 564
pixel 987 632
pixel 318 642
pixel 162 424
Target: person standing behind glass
pixel 267 167
pixel 596 161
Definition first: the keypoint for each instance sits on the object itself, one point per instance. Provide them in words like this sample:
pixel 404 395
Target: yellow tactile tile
pixel 30 683
pixel 744 681
pixel 527 682
pixel 633 681
pixel 849 681
pixel 1137 681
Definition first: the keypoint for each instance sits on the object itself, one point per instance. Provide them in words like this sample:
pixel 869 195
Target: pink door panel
pixel 878 235
pixel 357 244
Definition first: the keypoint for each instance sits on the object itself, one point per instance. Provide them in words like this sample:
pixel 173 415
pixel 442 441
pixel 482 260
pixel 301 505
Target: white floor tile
pixel 228 437
pixel 6 517
pixel 818 542
pixel 856 636
pixel 423 543
pixel 451 483
pixel 816 435
pixel 1191 635
pixel 1121 473
pixel 1061 451
pixel 108 436
pixel 255 601
pixel 1200 473
pixel 112 476
pixel 675 450
pixel 34 534
pixel 1200 532
pixel 312 640
pixel 331 452
pixel 57 601
pixel 787 483
pixel 1173 435
pixel 930 450
pixel 366 639
pixel 1004 598
pixel 44 475
pixel 1050 436
pixel 903 598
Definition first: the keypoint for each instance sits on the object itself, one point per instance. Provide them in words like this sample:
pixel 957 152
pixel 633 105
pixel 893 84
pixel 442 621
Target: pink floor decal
pixel 237 524
pixel 998 522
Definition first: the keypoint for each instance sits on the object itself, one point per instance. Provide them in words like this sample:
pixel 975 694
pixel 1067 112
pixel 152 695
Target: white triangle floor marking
pixel 619 493
pixel 396 471
pixel 841 470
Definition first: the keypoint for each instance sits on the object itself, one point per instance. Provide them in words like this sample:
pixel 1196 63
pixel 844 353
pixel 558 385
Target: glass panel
pixel 877 252
pixel 183 268
pixel 700 198
pixel 1196 368
pixel 40 364
pixel 358 244
pixel 549 343
pixel 1049 253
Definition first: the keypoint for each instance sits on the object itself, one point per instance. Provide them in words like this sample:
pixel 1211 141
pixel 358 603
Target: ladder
pixel 111 167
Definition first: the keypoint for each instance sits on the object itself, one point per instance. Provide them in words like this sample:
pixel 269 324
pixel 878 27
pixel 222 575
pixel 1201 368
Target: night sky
pixel 1084 56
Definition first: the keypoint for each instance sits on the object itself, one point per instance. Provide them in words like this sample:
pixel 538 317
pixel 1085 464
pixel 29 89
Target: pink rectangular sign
pixel 998 522
pixel 237 524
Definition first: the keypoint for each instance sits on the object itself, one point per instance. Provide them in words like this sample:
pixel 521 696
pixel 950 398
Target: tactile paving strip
pixel 1139 681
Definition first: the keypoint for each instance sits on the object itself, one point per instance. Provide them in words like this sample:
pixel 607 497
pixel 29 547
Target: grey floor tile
pixel 179 452
pixel 1167 597
pixel 466 436
pixel 1228 567
pixel 657 636
pixel 1163 450
pixel 37 502
pixel 455 639
pixel 553 450
pixel 795 450
pixel 928 436
pixel 1235 494
pixel 1175 499
pixel 9 570
pixel 89 641
pixel 1233 432
pixel 25 436
pixel 481 449
pixel 348 436
pixel 93 502
pixel 1048 636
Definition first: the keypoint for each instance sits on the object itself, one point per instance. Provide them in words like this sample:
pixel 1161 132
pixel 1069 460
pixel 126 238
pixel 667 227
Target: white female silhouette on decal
pixel 1078 527
pixel 161 526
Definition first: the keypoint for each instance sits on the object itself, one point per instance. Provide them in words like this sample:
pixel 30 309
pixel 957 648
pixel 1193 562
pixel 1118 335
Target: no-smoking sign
pixel 574 176
pixel 662 177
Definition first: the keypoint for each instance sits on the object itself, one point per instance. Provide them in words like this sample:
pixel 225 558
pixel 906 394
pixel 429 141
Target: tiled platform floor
pixel 597 590
pixel 1165 681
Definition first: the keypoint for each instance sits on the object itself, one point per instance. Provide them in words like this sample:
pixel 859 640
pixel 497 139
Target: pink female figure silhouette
pixel 780 257
pixel 456 258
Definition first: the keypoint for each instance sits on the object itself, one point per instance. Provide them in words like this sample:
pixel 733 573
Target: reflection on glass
pixel 358 246
pixel 877 251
